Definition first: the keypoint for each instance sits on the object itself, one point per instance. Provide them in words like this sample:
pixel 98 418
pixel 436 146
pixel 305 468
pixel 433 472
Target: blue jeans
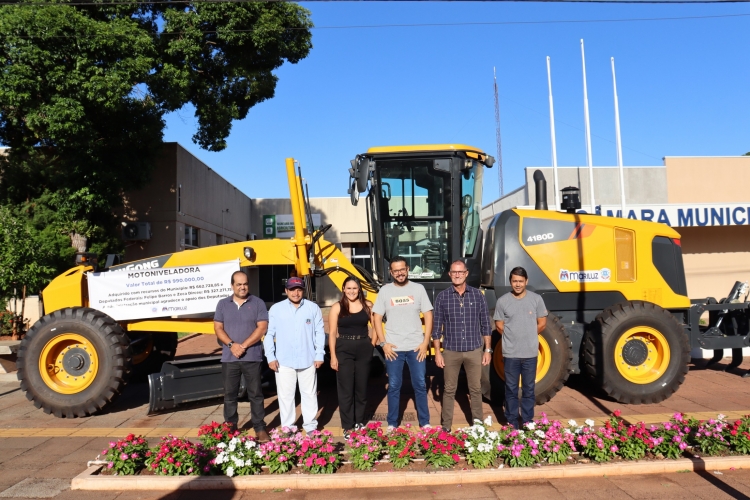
pixel 395 370
pixel 526 369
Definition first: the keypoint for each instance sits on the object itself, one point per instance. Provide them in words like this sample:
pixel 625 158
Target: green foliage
pixel 24 258
pixel 83 93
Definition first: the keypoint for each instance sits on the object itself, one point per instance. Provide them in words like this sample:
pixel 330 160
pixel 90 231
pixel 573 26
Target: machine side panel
pixel 578 253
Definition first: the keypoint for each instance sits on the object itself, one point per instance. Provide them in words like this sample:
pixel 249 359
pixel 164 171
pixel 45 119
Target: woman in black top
pixel 351 343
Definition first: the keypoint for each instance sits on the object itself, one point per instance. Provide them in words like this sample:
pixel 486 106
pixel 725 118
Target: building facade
pixel 187 205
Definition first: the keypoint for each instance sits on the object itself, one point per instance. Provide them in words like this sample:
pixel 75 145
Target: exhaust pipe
pixel 541 190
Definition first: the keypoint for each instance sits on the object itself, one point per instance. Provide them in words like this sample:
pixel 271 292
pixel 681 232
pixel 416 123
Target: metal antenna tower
pixel 497 138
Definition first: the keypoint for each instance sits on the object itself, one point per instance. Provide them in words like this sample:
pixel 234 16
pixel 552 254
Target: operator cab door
pixel 426 210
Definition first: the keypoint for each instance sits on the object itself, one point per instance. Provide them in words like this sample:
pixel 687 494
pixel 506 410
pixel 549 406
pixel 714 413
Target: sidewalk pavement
pixel 39 453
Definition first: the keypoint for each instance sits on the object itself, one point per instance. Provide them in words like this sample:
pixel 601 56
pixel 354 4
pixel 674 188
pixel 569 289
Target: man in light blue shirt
pixel 294 348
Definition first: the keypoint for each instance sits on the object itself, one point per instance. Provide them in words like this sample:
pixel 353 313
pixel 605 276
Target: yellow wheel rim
pixel 69 363
pixel 642 355
pixel 543 360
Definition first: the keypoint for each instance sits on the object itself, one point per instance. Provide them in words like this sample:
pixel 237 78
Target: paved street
pixel 40 453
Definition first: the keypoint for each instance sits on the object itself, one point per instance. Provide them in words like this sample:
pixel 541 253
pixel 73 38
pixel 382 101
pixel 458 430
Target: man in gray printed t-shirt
pixel 520 316
pixel 404 341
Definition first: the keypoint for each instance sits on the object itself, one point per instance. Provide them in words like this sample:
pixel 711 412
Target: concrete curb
pixel 87 480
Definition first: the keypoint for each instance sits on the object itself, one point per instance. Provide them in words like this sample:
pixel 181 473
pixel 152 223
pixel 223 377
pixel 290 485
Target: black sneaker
pixel 347 434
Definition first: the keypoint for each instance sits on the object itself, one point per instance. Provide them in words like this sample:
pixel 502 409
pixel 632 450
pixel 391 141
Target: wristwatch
pixel 230 344
pixel 489 351
pixel 382 344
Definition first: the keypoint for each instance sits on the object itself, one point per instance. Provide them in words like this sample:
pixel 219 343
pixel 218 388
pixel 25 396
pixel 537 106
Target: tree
pixel 84 90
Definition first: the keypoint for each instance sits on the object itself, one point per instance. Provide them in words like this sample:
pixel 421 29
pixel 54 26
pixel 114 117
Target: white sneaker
pixel 390 428
pixel 426 427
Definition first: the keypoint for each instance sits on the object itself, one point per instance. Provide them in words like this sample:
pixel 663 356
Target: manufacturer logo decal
pixel 596 276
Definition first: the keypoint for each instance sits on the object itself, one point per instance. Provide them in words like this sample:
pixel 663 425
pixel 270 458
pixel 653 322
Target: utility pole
pixel 619 142
pixel 552 134
pixel 588 132
pixel 497 138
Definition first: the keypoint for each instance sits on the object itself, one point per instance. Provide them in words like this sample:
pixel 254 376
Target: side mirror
pixel 360 171
pixel 353 193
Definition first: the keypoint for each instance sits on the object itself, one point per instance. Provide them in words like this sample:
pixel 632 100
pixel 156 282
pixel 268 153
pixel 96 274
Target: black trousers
pixel 354 358
pixel 232 373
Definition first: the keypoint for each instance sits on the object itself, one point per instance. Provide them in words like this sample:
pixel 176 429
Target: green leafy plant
pixel 126 456
pixel 402 447
pixel 177 457
pixel 440 448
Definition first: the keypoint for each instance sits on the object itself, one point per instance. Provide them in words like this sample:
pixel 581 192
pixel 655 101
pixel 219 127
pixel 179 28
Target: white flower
pixel 536 441
pixel 249 444
pixel 531 426
pixel 230 471
pixel 493 435
pixel 259 454
pixel 221 445
pixel 470 449
pixel 721 417
pixel 231 447
pixel 539 433
pixel 572 423
pixel 482 430
pixel 488 421
pixel 589 422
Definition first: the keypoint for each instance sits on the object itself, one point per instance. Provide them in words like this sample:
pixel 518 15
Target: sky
pixel 683 87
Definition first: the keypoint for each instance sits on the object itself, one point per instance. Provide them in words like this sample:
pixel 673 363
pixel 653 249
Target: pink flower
pixel 282 458
pixel 170 460
pixel 110 465
pixel 134 455
pixel 124 456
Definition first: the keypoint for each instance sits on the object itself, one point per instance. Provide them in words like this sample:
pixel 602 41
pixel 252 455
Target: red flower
pixel 617 413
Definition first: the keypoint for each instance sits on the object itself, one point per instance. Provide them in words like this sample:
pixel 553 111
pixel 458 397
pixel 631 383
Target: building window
pixel 179 199
pixel 361 256
pixel 625 254
pixel 191 236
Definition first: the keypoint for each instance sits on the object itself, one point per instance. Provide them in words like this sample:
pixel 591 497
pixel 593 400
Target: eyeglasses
pixel 458 273
pixel 398 271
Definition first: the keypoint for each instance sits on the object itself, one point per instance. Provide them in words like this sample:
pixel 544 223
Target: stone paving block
pixel 62 470
pixel 522 490
pixel 21 442
pixel 96 495
pixel 36 488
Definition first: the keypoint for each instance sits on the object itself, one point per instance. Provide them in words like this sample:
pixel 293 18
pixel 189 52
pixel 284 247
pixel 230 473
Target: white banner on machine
pixel 159 292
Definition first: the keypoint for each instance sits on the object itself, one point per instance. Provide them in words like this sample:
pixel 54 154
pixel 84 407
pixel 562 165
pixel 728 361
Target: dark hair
pixel 344 302
pixel 398 258
pixel 238 272
pixel 518 271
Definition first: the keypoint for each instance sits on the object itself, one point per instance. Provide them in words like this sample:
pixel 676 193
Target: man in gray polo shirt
pixel 520 316
pixel 240 322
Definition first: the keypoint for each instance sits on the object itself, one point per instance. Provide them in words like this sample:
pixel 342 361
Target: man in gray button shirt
pixel 240 322
pixel 520 316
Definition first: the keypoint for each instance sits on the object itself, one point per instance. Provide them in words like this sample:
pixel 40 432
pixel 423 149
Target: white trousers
pixel 286 383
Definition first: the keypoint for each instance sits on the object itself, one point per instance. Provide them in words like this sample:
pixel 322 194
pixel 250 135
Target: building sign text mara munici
pixel 686 215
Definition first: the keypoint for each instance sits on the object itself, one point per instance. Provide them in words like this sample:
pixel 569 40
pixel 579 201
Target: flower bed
pixel 222 451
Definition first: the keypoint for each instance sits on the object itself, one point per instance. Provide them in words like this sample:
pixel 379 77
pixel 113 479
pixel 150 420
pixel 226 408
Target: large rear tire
pixel 638 352
pixel 74 362
pixel 554 362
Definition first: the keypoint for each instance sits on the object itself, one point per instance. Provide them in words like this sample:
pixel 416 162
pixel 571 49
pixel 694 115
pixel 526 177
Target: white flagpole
pixel 552 133
pixel 619 141
pixel 588 132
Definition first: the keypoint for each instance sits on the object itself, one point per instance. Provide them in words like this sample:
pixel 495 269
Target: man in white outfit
pixel 294 347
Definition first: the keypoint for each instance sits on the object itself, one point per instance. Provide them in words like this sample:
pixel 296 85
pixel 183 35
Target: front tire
pixel 638 352
pixel 74 362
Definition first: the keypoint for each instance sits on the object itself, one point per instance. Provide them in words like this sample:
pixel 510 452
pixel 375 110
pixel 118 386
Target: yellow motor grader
pixel 615 288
